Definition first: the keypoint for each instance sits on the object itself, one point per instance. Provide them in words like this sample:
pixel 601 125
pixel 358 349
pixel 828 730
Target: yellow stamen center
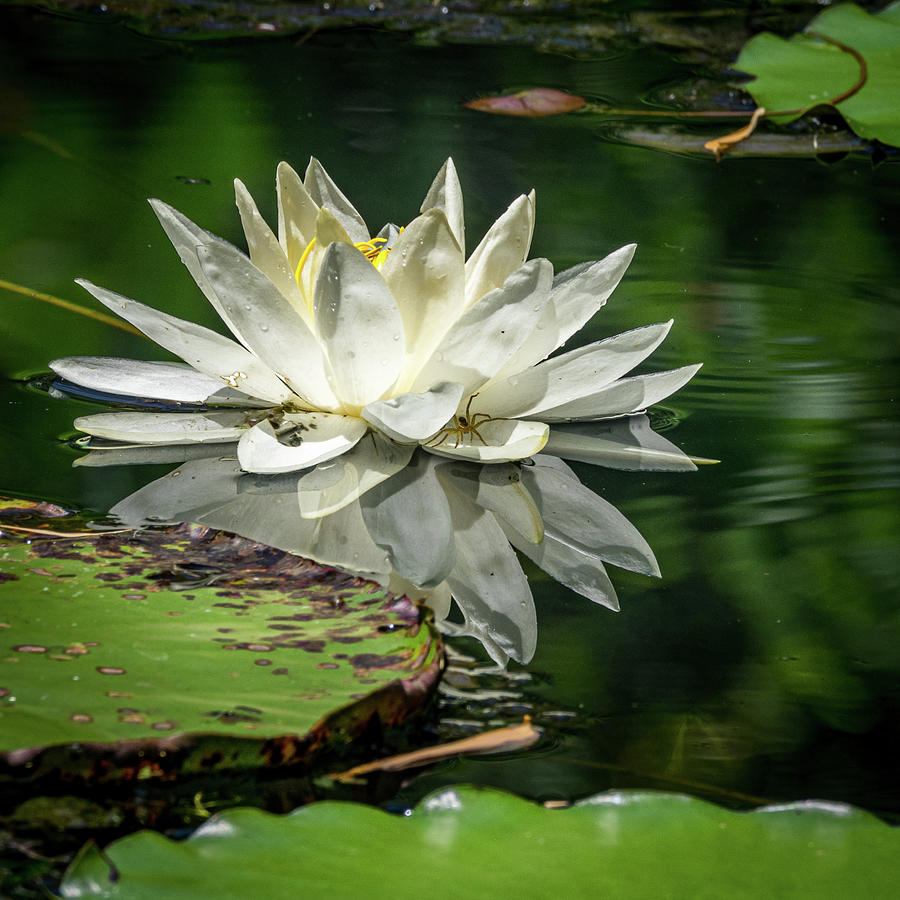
pixel 374 250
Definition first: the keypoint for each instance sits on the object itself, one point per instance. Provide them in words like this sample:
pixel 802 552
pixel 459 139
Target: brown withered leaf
pixel 533 103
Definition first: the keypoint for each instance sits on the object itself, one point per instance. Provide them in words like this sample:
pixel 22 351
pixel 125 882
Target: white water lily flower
pixel 338 335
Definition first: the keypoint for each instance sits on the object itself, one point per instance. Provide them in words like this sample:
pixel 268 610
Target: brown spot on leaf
pixel 375 661
pixel 134 596
pixel 30 648
pixel 327 666
pixel 119 694
pixel 163 726
pixel 110 670
pixel 262 662
pixel 279 671
pixel 82 717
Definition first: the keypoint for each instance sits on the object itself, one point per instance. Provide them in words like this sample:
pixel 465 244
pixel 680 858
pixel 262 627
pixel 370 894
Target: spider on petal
pixel 468 423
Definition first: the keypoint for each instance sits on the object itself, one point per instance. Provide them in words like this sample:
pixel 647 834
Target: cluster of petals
pixel 345 343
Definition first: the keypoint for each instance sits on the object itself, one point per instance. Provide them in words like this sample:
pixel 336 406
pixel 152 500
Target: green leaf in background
pixel 471 843
pixel 151 650
pixel 805 70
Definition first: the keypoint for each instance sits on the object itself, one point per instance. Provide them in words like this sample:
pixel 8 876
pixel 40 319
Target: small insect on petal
pixel 532 103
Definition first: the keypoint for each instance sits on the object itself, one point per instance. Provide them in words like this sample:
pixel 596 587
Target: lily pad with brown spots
pixel 150 654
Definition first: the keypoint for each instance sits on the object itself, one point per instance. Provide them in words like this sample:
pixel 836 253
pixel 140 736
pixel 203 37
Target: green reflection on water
pixel 764 663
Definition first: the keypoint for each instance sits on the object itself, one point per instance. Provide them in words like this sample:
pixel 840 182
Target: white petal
pixel 175 382
pixel 265 251
pixel 409 517
pixel 498 489
pixel 125 454
pixel 425 272
pixel 327 194
pixel 414 417
pixel 328 231
pixel 489 332
pixel 576 296
pixel 488 583
pixel 446 195
pixel 627 443
pixel 169 427
pixel 297 213
pixel 437 598
pixel 623 397
pixel 578 518
pixel 333 484
pixel 502 250
pixel 572 375
pixel 301 440
pixel 208 352
pixel 342 540
pixel 503 440
pixel 270 326
pixel 583 573
pixel 359 325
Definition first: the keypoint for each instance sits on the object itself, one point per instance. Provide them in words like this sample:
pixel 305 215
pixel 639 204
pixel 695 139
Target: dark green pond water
pixel 764 665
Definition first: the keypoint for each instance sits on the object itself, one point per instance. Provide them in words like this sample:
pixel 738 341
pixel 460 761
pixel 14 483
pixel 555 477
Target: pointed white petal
pixel 627 443
pixel 328 231
pixel 576 296
pixel 583 573
pixel 301 440
pixel 270 326
pixel 171 381
pixel 333 484
pixel 297 213
pixel 124 454
pixel 265 251
pixel 572 375
pixel 446 195
pixel 504 440
pixel 498 489
pixel 408 516
pixel 208 352
pixel 414 417
pixel 502 250
pixel 489 332
pixel 488 583
pixel 578 518
pixel 359 325
pixel 327 194
pixel 168 428
pixel 630 395
pixel 425 272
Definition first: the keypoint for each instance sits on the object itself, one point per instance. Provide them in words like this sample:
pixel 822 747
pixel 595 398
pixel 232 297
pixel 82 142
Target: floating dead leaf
pixel 721 145
pixel 532 103
pixel 500 740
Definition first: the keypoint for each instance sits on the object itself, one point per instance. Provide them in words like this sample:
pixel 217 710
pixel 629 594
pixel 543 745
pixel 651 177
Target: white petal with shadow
pixel 214 427
pixel 297 213
pixel 488 333
pixel 502 250
pixel 504 440
pixel 327 194
pixel 332 485
pixel 176 382
pixel 270 325
pixel 359 325
pixel 414 417
pixel 266 253
pixel 621 398
pixel 577 294
pixel 572 375
pixel 205 350
pixel 301 440
pixel 446 195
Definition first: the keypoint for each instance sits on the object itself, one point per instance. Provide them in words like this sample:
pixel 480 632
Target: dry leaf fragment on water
pixel 532 103
pixel 516 737
pixel 721 145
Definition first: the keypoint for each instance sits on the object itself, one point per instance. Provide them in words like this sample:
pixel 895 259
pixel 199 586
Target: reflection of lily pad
pixel 489 844
pixel 806 70
pixel 134 646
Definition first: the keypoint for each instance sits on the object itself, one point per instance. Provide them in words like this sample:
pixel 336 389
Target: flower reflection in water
pixel 440 530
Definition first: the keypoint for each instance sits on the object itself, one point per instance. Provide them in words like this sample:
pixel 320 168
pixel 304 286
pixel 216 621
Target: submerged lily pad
pixel 485 843
pixel 142 654
pixel 806 70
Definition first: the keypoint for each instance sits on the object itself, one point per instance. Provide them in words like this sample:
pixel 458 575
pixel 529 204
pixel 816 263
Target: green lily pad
pixel 146 654
pixel 484 843
pixel 806 71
